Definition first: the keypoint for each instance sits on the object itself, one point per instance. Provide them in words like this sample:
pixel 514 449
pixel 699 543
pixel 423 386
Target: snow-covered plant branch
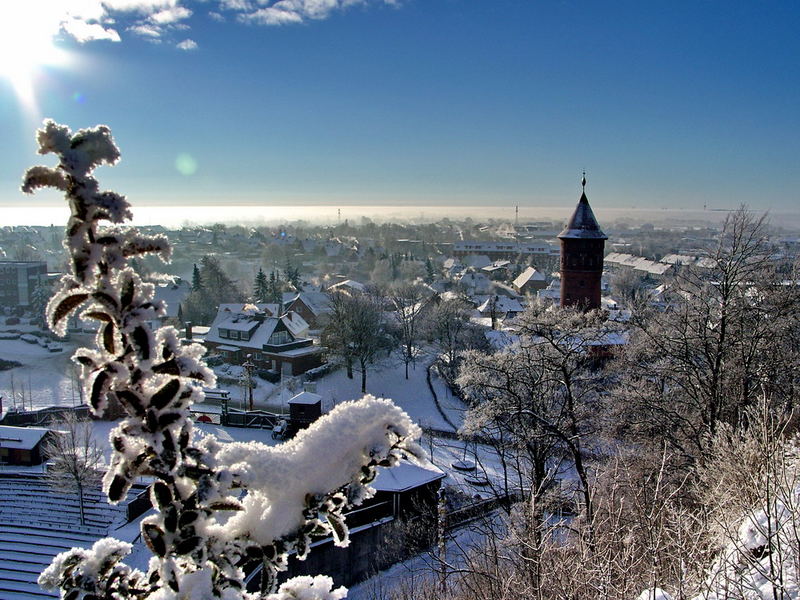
pixel 204 529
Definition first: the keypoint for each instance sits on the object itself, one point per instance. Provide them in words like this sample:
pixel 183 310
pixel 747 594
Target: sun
pixel 26 45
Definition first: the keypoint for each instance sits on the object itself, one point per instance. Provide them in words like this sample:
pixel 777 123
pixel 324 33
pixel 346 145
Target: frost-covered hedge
pixel 204 529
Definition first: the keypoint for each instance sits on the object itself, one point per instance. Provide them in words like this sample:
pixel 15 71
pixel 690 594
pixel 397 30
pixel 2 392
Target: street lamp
pixel 248 368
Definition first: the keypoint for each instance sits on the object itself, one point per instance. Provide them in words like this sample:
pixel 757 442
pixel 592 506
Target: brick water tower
pixel 582 251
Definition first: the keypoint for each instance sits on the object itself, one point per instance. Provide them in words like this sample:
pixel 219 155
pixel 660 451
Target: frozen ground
pixel 388 380
pixel 44 379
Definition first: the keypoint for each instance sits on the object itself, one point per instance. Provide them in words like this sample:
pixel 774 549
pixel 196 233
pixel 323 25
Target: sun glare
pixel 26 45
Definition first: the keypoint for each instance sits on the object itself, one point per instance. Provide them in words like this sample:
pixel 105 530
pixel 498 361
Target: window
pixel 223 333
pixel 279 337
pixel 234 335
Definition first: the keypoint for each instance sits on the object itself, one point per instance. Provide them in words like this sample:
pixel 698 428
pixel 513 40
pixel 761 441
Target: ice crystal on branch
pixel 204 529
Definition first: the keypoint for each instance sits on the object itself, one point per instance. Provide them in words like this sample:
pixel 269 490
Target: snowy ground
pixel 44 379
pixel 388 380
pixel 384 380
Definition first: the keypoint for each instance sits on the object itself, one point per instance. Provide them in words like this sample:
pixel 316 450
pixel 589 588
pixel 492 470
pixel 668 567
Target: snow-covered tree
pixel 292 274
pixel 357 332
pixel 731 327
pixel 39 299
pixel 543 391
pixel 203 529
pixel 75 460
pixel 452 332
pixel 407 301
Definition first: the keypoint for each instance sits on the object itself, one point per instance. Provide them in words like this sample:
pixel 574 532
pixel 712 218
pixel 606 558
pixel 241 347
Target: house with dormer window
pixel 314 307
pixel 280 344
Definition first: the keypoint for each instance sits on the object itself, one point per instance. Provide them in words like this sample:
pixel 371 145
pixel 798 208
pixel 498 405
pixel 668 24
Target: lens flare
pixel 186 164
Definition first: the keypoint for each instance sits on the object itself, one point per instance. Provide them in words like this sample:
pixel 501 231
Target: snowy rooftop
pixel 502 304
pixel 404 476
pixel 173 294
pixel 317 302
pixel 348 284
pixel 529 274
pixel 21 438
pixel 260 330
pixel 306 398
pixel 305 351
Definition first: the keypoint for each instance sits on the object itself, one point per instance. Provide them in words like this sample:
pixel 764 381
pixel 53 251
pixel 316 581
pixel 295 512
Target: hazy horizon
pixel 255 215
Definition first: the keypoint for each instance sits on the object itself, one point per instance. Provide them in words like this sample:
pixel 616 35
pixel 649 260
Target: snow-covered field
pixel 388 381
pixel 44 379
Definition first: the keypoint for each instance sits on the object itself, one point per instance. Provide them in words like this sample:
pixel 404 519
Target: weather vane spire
pixel 583 182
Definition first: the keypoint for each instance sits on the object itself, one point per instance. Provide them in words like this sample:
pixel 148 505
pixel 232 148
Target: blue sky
pixel 421 102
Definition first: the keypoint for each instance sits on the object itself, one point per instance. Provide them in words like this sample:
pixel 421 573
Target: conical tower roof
pixel 583 223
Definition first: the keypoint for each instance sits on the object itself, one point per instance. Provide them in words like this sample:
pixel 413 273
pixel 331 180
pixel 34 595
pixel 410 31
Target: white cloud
pixel 85 10
pixel 87 32
pixel 141 6
pixel 272 16
pixel 187 45
pixel 235 5
pixel 88 20
pixel 282 12
pixel 171 15
pixel 153 20
pixel 146 30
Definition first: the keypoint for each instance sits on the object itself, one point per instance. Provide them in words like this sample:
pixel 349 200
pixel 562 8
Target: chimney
pixel 188 330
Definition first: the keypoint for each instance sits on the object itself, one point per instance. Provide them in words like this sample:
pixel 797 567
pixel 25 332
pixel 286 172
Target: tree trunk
pixel 349 364
pixel 81 511
pixel 363 377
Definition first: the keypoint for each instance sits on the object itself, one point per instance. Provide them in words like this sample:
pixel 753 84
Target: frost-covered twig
pixel 203 531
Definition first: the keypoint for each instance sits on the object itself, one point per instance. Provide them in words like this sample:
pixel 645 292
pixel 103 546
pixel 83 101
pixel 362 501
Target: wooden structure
pixel 304 409
pixel 23 445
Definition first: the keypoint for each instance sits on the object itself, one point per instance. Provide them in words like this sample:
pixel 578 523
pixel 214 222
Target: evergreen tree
pixel 219 286
pixel 197 281
pixel 292 275
pixel 260 287
pixel 274 289
pixel 39 299
pixel 430 274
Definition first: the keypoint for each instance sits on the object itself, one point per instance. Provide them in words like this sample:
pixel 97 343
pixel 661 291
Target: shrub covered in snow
pixel 204 528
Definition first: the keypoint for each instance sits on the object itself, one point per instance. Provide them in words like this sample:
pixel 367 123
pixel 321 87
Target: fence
pixel 44 416
pixel 251 418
